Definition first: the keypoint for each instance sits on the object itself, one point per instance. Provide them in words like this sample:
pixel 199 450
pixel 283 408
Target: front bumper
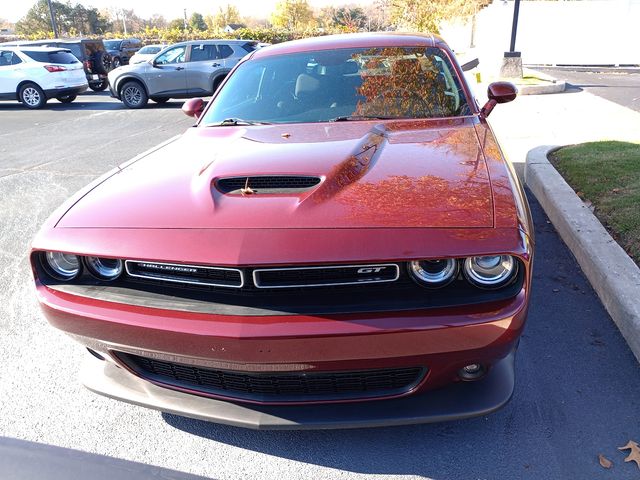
pixel 458 401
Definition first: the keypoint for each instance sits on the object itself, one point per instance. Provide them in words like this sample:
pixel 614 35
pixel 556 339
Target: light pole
pixel 53 19
pixel 512 61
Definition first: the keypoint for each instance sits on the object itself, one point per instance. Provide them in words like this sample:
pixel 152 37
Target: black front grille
pixel 325 276
pixel 267 184
pixel 277 386
pixel 187 274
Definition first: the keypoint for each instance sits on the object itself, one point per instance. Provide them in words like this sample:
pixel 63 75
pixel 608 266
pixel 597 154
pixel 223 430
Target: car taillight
pixel 55 68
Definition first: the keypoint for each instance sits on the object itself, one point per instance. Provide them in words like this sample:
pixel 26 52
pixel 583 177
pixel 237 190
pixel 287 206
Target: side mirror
pixel 193 107
pixel 498 92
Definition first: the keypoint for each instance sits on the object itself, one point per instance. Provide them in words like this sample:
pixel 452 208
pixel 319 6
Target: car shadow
pixel 82 104
pixel 21 459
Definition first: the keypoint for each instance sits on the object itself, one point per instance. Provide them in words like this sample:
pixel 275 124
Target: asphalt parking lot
pixel 577 393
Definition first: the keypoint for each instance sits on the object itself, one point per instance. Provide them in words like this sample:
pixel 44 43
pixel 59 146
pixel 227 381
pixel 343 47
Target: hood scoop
pixel 266 184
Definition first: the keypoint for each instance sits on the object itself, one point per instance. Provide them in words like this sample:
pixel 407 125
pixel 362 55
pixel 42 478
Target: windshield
pixel 345 84
pixel 112 44
pixel 149 50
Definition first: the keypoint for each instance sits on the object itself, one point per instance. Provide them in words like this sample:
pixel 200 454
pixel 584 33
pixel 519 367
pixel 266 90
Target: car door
pixel 168 73
pixel 10 73
pixel 203 67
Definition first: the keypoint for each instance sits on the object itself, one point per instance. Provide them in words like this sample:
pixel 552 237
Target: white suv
pixel 33 75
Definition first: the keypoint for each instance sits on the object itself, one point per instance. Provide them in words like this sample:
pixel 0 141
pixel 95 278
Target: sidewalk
pixel 558 119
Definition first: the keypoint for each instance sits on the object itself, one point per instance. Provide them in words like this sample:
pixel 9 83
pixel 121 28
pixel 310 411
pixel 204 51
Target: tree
pixel 351 18
pixel 225 16
pixel 426 16
pixel 156 21
pixel 75 19
pixel 196 22
pixel 292 14
pixel 176 24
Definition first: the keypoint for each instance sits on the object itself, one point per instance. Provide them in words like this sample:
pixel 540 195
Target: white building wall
pixel 584 32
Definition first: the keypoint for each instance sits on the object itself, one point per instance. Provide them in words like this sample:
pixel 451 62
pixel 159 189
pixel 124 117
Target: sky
pixel 14 10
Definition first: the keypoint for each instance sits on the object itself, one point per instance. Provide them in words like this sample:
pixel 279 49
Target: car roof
pixel 214 41
pixel 351 40
pixel 35 48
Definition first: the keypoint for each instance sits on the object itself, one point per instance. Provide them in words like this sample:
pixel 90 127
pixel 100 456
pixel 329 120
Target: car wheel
pixel 133 95
pixel 66 98
pixel 116 62
pixel 100 86
pixel 160 100
pixel 32 96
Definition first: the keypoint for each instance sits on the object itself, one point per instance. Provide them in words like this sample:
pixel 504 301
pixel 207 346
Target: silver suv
pixel 183 70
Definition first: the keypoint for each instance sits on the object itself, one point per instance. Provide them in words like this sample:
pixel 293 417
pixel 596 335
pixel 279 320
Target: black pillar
pixel 514 26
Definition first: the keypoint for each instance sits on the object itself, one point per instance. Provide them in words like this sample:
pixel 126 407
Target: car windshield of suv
pixel 112 44
pixel 149 50
pixel 343 84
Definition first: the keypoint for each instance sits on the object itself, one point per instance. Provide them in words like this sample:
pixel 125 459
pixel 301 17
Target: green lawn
pixel 608 175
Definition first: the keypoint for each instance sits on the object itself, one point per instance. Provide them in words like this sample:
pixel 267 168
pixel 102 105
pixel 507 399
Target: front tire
pixel 66 98
pixel 100 86
pixel 32 96
pixel 115 63
pixel 133 95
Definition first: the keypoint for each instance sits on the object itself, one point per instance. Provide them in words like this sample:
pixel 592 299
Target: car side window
pixel 6 58
pixel 174 55
pixel 225 51
pixel 203 52
pixel 15 59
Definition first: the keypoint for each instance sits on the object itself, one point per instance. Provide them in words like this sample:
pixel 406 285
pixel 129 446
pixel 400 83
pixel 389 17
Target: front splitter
pixel 458 401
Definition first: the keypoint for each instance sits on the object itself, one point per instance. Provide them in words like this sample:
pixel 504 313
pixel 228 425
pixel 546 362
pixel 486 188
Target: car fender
pixel 219 76
pixel 23 82
pixel 121 80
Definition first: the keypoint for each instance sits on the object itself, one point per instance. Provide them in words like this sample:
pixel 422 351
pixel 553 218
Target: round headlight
pixel 491 271
pixel 104 268
pixel 434 273
pixel 63 266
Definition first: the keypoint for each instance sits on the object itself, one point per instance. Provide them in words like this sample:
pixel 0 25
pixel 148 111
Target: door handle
pixel 216 65
pixel 179 68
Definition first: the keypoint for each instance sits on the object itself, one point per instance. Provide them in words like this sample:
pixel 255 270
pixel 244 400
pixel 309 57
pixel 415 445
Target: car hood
pixel 427 173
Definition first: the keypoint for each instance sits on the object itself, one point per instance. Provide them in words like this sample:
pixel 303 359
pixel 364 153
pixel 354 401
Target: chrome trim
pixel 126 267
pixel 257 284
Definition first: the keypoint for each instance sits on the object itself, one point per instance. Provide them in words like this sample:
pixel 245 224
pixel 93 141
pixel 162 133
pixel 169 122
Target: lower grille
pixel 278 387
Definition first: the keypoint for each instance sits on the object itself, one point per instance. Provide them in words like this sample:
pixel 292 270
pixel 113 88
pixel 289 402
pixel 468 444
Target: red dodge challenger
pixel 337 242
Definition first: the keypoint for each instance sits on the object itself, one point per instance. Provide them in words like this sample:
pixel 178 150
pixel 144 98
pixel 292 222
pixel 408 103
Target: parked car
pixel 33 75
pixel 121 50
pixel 146 53
pixel 184 70
pixel 91 52
pixel 338 242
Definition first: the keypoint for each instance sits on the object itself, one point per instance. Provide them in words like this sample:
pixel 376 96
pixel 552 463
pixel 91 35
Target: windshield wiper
pixel 347 118
pixel 236 121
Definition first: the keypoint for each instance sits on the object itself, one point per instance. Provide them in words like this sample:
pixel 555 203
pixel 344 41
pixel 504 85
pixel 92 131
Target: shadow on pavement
pixel 23 460
pixel 577 395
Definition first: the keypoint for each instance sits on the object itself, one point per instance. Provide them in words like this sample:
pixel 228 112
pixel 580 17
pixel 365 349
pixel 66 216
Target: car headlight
pixel 63 266
pixel 104 268
pixel 434 273
pixel 490 271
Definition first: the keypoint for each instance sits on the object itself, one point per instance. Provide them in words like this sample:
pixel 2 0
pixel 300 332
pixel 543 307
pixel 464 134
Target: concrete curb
pixel 611 272
pixel 557 87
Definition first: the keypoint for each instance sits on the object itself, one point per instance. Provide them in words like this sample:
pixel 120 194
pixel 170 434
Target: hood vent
pixel 266 184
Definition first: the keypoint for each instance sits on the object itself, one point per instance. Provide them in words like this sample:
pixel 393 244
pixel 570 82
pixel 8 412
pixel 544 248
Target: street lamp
pixel 53 20
pixel 512 61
